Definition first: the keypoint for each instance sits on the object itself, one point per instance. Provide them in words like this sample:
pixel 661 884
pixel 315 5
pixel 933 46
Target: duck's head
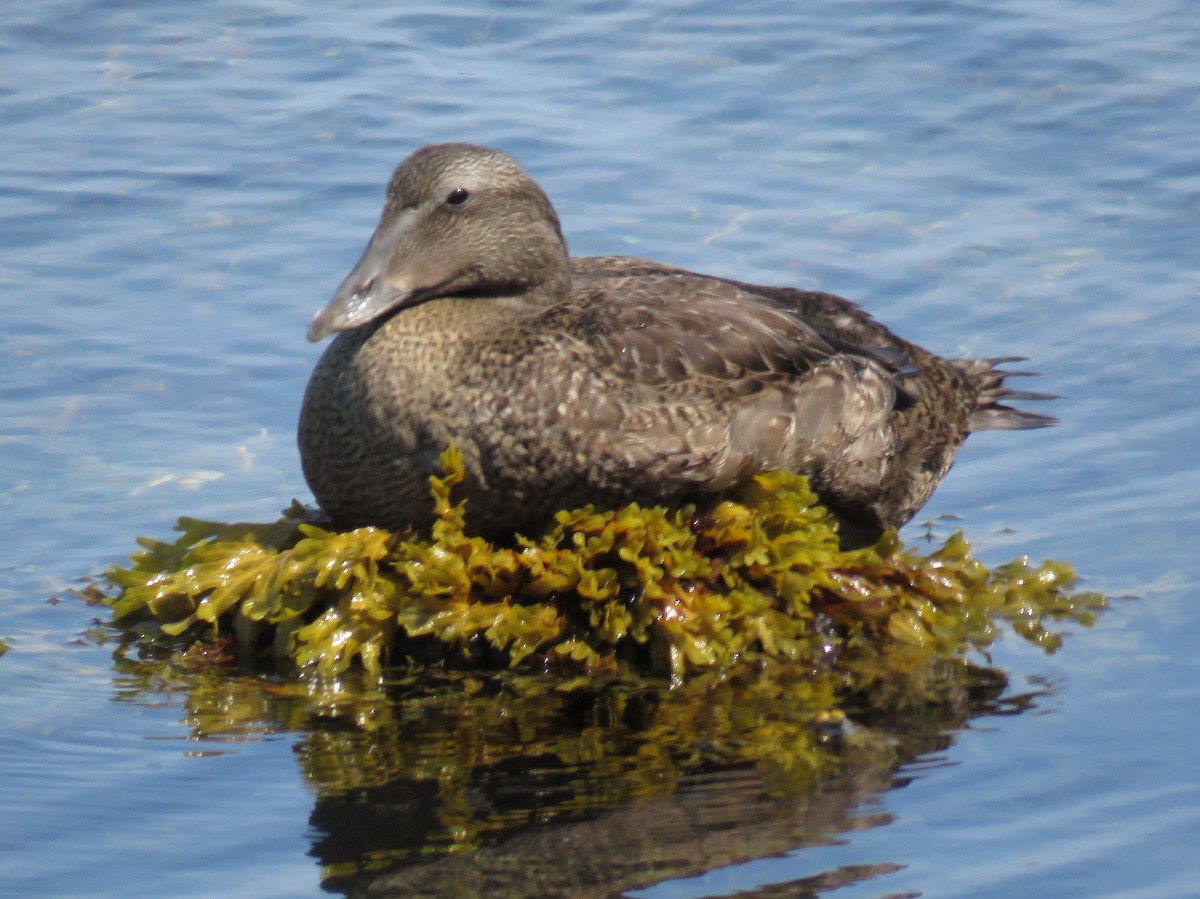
pixel 459 220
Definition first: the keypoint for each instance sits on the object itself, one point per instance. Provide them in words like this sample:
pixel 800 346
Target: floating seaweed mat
pixel 756 578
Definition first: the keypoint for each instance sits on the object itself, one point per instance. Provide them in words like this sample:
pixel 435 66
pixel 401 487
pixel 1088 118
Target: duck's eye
pixel 458 196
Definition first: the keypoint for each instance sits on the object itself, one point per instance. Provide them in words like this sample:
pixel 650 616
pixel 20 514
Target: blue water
pixel 183 185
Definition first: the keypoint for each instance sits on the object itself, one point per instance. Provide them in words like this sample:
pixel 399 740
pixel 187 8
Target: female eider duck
pixel 606 380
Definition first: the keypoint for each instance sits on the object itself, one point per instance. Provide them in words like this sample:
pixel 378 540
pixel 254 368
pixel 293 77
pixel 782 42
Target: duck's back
pixel 911 433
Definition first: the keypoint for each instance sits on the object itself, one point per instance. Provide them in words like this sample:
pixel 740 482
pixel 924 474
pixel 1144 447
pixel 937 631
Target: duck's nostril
pixel 364 288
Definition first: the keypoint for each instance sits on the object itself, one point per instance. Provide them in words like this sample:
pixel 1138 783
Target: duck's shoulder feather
pixel 659 328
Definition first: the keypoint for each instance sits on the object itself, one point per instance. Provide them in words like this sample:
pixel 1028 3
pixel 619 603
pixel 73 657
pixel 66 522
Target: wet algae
pixel 601 667
pixel 757 577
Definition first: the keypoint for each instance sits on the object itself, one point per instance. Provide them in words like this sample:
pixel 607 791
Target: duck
pixel 608 380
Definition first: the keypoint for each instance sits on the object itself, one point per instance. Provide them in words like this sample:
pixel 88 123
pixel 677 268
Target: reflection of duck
pixel 605 380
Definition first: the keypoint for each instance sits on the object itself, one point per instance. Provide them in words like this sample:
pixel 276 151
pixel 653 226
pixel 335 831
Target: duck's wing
pixel 893 413
pixel 920 377
pixel 839 324
pixel 688 378
pixel 657 329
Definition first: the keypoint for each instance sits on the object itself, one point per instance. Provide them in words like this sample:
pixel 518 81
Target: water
pixel 184 185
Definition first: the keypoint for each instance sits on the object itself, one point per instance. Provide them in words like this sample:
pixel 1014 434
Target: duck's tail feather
pixel 993 413
pixel 1000 417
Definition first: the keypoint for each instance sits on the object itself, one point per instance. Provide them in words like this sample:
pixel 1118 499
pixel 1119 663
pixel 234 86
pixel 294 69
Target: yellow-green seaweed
pixel 608 660
pixel 757 577
pixel 486 753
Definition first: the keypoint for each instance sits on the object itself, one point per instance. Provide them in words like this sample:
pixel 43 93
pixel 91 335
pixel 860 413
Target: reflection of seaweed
pixel 580 679
pixel 757 577
pixel 441 762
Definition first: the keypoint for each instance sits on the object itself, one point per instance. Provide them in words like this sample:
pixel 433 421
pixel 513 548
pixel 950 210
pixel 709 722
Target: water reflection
pixel 454 784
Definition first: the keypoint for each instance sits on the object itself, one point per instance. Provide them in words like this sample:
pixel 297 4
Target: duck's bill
pixel 369 291
pixel 354 307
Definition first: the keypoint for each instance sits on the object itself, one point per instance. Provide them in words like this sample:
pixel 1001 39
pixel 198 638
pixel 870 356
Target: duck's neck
pixel 554 287
pixel 539 273
pixel 521 294
pixel 481 313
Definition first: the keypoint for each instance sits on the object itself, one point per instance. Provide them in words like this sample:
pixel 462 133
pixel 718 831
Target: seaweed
pixel 757 577
pixel 603 664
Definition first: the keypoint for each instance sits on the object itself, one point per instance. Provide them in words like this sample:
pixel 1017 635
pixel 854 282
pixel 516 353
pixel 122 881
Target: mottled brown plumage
pixel 605 380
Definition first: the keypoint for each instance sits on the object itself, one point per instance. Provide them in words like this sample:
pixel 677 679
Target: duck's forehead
pixel 440 169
